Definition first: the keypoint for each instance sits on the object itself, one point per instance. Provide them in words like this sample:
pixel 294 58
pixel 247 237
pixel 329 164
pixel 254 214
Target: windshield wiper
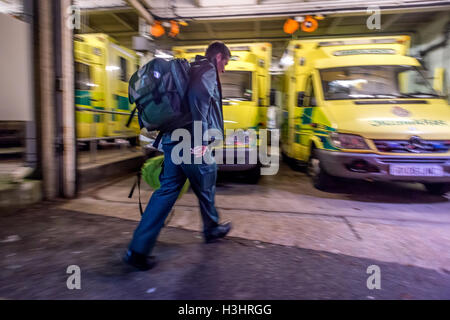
pixel 361 96
pixel 419 94
pixel 379 96
pixel 388 95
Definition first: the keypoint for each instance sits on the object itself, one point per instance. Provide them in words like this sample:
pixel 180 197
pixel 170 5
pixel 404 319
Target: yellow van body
pixel 246 95
pixel 361 108
pixel 102 71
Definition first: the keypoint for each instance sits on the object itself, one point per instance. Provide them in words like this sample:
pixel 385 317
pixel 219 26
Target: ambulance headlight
pixel 241 138
pixel 348 141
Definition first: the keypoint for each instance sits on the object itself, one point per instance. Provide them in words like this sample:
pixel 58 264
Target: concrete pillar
pixel 68 104
pixel 31 154
pixel 46 100
pixel 56 110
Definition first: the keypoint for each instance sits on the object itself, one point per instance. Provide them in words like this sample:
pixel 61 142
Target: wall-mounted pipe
pixel 438 45
pixel 142 11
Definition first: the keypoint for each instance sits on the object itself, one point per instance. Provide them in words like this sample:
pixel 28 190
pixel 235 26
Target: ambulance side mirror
pixel 272 97
pixel 439 81
pixel 300 98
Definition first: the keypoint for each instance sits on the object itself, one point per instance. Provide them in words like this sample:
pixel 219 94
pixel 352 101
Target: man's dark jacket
pixel 205 95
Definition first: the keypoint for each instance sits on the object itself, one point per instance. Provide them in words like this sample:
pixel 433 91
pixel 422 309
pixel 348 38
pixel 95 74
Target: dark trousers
pixel 172 179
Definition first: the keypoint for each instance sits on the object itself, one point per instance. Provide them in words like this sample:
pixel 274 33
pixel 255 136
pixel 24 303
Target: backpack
pixel 159 89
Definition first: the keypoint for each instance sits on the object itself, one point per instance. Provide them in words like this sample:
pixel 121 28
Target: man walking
pixel 205 102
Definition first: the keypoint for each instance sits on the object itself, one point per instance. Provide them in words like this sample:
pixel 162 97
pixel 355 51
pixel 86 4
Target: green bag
pixel 150 172
pixel 152 169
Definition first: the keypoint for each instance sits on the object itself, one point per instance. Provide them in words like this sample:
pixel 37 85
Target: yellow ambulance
pixel 102 71
pixel 246 97
pixel 362 108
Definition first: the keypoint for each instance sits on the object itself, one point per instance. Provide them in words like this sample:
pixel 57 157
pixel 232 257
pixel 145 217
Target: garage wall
pixel 15 70
pixel 430 35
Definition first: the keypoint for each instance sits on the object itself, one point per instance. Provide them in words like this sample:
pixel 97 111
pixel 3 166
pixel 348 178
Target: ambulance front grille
pixel 412 146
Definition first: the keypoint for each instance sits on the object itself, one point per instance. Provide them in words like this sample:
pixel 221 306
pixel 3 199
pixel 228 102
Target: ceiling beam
pixel 336 21
pixel 92 11
pixel 121 21
pixel 123 33
pixel 209 29
pixel 350 30
pixel 390 21
pixel 180 37
pixel 257 28
pixel 142 11
pixel 84 28
pixel 279 9
pixel 146 4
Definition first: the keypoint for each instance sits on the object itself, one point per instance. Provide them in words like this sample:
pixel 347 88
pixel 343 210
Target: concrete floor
pixel 290 241
pixel 391 222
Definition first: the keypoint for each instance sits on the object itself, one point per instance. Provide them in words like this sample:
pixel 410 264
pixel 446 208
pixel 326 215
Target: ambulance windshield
pixel 375 82
pixel 236 85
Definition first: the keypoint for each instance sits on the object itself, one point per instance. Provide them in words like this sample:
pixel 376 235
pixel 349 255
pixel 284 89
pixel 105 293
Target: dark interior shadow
pixel 297 181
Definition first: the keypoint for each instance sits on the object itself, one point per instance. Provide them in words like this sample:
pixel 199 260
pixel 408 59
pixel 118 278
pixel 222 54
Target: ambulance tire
pixel 320 178
pixel 294 164
pixel 286 159
pixel 253 175
pixel 134 141
pixel 438 189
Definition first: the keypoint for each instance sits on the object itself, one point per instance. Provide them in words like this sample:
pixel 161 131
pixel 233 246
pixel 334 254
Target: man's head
pixel 218 52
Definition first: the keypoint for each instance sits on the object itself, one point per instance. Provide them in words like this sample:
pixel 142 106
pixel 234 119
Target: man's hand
pixel 199 151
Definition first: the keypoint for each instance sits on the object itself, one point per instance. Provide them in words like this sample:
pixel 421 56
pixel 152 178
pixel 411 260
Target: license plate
pixel 416 170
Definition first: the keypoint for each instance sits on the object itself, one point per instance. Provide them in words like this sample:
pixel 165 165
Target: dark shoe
pixel 218 232
pixel 139 261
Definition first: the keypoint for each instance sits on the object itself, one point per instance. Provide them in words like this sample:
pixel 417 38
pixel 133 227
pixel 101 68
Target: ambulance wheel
pixel 294 164
pixel 134 141
pixel 438 189
pixel 320 178
pixel 253 175
pixel 286 159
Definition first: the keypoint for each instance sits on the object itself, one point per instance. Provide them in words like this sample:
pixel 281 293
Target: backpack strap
pixel 158 140
pixel 138 183
pixel 131 117
pixel 139 192
pixel 173 69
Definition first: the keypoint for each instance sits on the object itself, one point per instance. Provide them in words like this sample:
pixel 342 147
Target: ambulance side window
pixel 303 96
pixel 312 102
pixel 310 98
pixel 123 70
pixel 82 76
